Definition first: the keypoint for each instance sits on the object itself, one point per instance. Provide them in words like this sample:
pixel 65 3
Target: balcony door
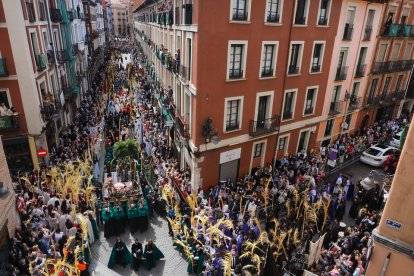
pixel 262 111
pixel 303 140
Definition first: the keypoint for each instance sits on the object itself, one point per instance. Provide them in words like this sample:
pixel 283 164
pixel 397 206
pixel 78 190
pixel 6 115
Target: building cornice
pixel 395 245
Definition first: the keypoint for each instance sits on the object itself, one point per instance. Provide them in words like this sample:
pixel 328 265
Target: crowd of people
pixel 268 221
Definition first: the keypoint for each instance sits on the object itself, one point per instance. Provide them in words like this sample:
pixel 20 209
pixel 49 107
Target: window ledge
pixel 267 78
pixel 315 73
pixel 231 131
pixel 273 24
pixel 293 75
pixel 308 115
pixel 234 80
pixel 287 120
pixel 300 25
pixel 239 22
pixel 322 26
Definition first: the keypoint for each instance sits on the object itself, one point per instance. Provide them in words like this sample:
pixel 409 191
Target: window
pixel 236 61
pixel 289 104
pixel 386 86
pixel 239 11
pixel 398 85
pixel 349 23
pixel 317 57
pixel 310 101
pixel 273 11
pixel 395 50
pixel 283 143
pixel 258 149
pixel 233 114
pixel 372 90
pixel 323 12
pixel 348 119
pixel 408 50
pixel 360 70
pixel 329 126
pixel 4 98
pixel 301 12
pixel 295 58
pixel 368 25
pixel 268 60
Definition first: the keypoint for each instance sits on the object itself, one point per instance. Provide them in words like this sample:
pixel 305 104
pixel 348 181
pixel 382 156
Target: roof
pixel 136 4
pixel 145 4
pixel 117 6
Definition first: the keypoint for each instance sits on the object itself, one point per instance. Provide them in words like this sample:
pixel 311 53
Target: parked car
pixel 395 140
pixel 377 155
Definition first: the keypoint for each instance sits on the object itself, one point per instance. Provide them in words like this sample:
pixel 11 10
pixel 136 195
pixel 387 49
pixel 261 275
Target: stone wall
pixel 7 203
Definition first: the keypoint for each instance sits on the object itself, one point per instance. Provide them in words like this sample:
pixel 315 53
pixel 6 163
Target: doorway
pixel 303 140
pixel 229 170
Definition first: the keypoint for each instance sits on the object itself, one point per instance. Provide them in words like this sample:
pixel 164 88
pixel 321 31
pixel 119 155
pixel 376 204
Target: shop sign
pixel 230 155
pixel 393 224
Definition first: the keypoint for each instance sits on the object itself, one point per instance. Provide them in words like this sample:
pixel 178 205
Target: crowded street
pixel 114 181
pixel 193 138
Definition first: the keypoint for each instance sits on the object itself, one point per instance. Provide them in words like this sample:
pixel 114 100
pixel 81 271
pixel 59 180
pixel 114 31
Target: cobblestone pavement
pixel 173 264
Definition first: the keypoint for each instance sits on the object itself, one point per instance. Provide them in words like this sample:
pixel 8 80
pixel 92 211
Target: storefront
pixel 229 164
pixel 18 155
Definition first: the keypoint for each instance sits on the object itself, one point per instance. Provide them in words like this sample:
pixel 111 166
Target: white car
pixel 377 155
pixel 395 141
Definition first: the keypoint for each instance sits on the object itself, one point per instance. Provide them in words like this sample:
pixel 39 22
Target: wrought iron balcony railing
pixel 240 15
pixel 235 74
pixel 348 30
pixel 9 122
pixel 360 70
pixel 336 108
pixel 293 70
pixel 56 15
pixel 267 72
pixel 273 18
pixel 354 103
pixel 367 33
pixel 259 128
pixel 41 62
pixel 62 56
pixel 341 73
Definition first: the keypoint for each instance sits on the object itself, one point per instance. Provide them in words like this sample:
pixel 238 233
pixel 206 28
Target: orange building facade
pixel 250 81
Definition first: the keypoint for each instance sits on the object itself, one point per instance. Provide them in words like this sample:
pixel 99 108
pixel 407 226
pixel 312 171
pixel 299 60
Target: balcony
pixel 315 68
pixel 336 108
pixel 239 15
pixel 273 18
pixel 341 73
pixel 322 21
pixel 71 15
pixel 360 70
pixel 380 67
pixel 3 68
pixel 348 30
pixel 392 66
pixel 367 33
pixel 41 62
pixel 51 57
pixel 293 70
pixel 259 128
pixel 30 12
pixel 354 103
pixel 62 56
pixel 399 95
pixel 48 111
pixel 184 72
pixel 75 48
pixel 68 91
pixel 182 127
pixel 56 15
pixel 235 74
pixel 267 72
pixel 9 122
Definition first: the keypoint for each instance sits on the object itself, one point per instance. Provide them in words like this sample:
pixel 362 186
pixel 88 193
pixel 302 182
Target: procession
pixel 280 220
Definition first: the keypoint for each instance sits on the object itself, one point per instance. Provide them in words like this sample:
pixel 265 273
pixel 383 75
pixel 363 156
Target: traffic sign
pixel 42 153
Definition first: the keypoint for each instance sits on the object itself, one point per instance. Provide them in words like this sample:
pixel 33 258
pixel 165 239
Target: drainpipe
pixel 283 86
pixel 385 266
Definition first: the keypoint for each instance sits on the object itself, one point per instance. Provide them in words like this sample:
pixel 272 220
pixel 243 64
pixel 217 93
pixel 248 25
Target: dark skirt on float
pixel 133 219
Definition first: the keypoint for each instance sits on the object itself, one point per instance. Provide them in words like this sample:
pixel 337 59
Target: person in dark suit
pixel 137 254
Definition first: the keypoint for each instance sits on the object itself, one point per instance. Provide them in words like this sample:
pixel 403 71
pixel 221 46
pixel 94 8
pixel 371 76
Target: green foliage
pixel 124 149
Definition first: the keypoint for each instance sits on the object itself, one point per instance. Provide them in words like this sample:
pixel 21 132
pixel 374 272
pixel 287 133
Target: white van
pixel 395 140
